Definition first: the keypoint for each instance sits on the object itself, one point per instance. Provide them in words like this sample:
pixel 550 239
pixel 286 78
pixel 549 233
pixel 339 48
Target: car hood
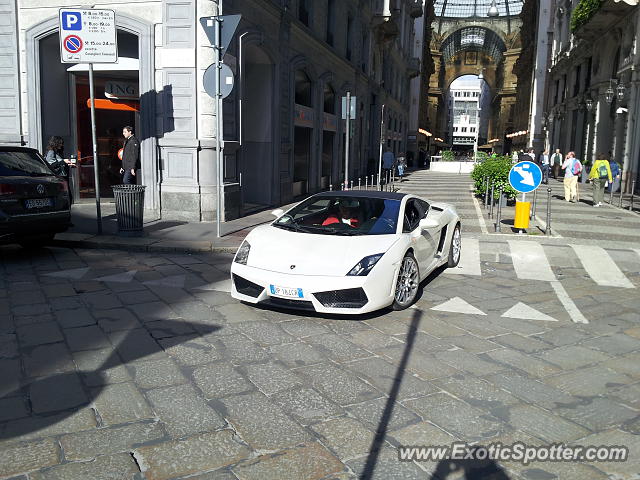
pixel 277 250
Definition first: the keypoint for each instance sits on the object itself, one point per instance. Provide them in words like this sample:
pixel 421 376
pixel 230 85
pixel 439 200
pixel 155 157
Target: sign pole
pixel 381 144
pixel 346 143
pixel 95 149
pixel 219 157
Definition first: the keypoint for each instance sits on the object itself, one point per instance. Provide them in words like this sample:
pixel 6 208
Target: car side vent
pixel 348 298
pixel 246 287
pixel 443 236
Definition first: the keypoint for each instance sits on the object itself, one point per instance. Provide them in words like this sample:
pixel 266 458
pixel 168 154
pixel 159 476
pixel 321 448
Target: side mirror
pixel 278 212
pixel 428 223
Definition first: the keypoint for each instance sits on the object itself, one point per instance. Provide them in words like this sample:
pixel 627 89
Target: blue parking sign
pixel 525 177
pixel 71 21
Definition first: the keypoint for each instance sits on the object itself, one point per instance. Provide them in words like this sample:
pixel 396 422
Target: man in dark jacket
pixel 130 157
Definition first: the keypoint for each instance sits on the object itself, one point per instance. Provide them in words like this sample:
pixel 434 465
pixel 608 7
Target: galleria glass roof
pixel 475 8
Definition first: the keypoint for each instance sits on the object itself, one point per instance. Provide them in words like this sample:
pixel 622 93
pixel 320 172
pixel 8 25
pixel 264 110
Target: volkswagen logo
pixel 40 189
pixel 292 267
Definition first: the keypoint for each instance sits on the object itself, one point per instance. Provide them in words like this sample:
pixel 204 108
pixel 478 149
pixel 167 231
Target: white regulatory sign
pixel 88 36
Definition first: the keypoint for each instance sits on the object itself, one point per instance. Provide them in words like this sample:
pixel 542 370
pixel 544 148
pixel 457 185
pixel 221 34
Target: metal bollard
pixel 491 201
pixel 359 183
pixel 633 191
pixel 547 230
pixel 366 183
pixel 621 190
pixel 486 194
pixel 372 180
pixel 331 187
pixel 499 215
pixel 532 212
pixel 351 185
pixel 611 194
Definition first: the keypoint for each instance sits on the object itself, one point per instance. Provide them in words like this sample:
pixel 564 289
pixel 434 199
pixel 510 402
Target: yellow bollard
pixel 522 215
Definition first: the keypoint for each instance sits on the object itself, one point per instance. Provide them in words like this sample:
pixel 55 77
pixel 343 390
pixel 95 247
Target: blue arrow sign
pixel 525 177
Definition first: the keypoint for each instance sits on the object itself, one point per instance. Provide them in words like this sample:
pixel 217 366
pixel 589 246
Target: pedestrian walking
pixel 572 168
pixel 545 166
pixel 614 186
pixel 402 165
pixel 53 156
pixel 599 176
pixel 130 157
pixel 556 163
pixel 388 160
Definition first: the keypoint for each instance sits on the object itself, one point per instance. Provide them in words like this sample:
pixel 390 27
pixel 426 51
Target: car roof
pixel 16 148
pixel 364 193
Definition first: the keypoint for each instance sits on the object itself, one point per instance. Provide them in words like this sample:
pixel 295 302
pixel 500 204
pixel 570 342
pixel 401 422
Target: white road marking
pixel 125 277
pixel 568 304
pixel 525 312
pixel 530 261
pixel 176 281
pixel 221 286
pixel 601 267
pixel 458 305
pixel 75 274
pixel 469 258
pixel 483 226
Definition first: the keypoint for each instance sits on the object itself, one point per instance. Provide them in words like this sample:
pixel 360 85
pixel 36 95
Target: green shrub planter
pixel 583 13
pixel 448 156
pixel 497 169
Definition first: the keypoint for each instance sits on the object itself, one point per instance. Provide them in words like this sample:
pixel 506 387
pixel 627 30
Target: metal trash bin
pixel 129 208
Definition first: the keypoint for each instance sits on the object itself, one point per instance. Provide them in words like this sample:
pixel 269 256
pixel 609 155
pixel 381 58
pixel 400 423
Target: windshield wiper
pixel 346 233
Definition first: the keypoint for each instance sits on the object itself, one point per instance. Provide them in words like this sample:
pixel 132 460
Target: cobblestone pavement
pixel 117 365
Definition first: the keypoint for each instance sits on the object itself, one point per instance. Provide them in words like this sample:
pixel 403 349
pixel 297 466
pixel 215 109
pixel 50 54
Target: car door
pixel 422 240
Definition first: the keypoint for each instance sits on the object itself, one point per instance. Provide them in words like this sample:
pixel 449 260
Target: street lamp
pixel 493 10
pixel 609 93
pixel 620 90
pixel 588 102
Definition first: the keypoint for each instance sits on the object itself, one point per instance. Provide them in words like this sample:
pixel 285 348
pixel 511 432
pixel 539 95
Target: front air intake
pixel 245 287
pixel 348 298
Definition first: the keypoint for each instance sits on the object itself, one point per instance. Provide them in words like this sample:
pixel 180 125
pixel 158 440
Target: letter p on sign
pixel 71 21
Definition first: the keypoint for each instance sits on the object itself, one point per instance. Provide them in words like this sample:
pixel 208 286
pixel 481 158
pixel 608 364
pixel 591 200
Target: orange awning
pixel 107 104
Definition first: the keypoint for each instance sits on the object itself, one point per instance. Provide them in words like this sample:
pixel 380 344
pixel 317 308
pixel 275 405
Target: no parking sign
pixel 88 36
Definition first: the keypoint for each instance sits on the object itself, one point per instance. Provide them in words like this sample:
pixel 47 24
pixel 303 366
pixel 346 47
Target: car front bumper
pixel 379 289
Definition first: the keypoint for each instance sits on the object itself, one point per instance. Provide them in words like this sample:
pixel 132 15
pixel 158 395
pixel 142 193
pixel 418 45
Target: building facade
pixel 283 138
pixel 593 82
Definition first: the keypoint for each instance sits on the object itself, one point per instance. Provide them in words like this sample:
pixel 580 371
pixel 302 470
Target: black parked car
pixel 34 202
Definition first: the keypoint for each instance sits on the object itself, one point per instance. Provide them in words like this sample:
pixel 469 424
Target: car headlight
pixel 242 255
pixel 364 266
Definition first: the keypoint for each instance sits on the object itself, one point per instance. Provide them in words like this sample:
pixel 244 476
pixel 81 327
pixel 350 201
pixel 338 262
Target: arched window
pixel 303 89
pixel 329 99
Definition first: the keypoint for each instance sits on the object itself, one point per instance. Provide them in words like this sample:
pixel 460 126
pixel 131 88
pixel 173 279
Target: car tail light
pixel 7 189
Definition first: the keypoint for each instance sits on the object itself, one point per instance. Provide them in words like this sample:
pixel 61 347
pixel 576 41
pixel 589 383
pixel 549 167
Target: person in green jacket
pixel 600 175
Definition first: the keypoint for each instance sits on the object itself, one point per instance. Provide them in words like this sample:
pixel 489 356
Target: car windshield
pixel 342 215
pixel 19 163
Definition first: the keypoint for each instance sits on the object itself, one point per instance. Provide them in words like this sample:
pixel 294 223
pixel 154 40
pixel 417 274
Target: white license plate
pixel 39 203
pixel 286 291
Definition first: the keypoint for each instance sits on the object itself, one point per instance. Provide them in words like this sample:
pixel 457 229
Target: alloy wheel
pixel 407 286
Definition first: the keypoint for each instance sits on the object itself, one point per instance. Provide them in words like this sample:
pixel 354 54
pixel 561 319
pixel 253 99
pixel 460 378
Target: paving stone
pixel 387 467
pixel 306 405
pixel 271 378
pixel 560 470
pixel 132 298
pixel 373 340
pixel 477 392
pixel 628 395
pixel 626 469
pixel 570 357
pixel 136 345
pixel 468 362
pixel 519 342
pixel 116 319
pixel 526 363
pixel 424 365
pixel 27 320
pixel 223 474
pixel 238 313
pixel 563 336
pixel 347 437
pixel 12 408
pixel 378 414
pixel 109 467
pixel 427 343
pixel 454 416
pixel 191 351
pixel 204 452
pixel 59 392
pixel 342 386
pixel 46 360
pixel 471 343
pixel 66 303
pixel 588 381
pixel 34 427
pixel 422 433
pixel 101 300
pixel 28 297
pixel 86 338
pixel 302 328
pixel 100 367
pixel 75 317
pixel 265 334
pixel 238 348
pixel 261 423
pixel 154 311
pixel 337 348
pixel 297 354
pixel 58 291
pixel 531 390
pixel 310 462
pixel 153 374
pixel 48 332
pixel 597 414
pixel 121 403
pixel 220 380
pixel 31 309
pixel 15 459
pixel 614 344
pixel 385 376
pixel 438 328
pixel 546 426
pixel 182 411
pixel 170 328
pixel 627 364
